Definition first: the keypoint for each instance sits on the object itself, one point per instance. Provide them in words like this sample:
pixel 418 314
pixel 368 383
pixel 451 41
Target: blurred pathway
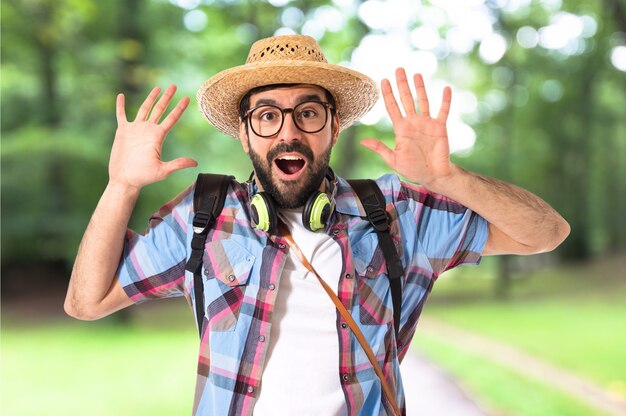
pixel 507 356
pixel 430 391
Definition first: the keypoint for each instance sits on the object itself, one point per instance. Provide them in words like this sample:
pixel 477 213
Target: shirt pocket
pixel 375 304
pixel 226 270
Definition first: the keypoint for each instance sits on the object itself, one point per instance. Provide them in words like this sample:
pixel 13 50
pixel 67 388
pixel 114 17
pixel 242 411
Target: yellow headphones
pixel 315 215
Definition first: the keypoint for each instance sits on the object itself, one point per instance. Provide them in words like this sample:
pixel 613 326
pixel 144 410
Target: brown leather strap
pixel 346 315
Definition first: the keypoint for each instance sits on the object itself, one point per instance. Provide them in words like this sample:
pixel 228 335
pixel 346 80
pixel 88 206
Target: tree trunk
pixel 132 46
pixel 503 282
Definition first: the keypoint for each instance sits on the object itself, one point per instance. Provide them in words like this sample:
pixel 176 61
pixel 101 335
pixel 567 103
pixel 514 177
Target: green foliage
pixel 64 61
pixel 51 180
pixel 559 148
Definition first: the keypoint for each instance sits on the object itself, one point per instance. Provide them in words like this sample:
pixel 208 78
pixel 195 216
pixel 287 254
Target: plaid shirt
pixel 242 269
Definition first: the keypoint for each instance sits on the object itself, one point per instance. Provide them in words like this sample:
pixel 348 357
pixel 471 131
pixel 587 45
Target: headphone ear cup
pixel 263 212
pixel 316 211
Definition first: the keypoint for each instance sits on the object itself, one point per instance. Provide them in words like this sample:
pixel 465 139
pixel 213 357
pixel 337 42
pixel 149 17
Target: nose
pixel 289 131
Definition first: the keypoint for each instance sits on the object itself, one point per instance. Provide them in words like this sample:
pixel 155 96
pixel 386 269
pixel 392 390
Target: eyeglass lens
pixel 309 116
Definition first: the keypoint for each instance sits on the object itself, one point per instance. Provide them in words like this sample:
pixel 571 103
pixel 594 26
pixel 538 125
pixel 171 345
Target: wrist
pixel 122 189
pixel 445 183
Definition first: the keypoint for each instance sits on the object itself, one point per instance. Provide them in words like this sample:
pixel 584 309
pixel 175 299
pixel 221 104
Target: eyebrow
pixel 301 99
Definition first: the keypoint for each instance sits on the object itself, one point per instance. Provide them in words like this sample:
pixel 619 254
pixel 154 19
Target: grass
pixel 101 369
pixel 585 337
pixel 501 391
pixel 571 317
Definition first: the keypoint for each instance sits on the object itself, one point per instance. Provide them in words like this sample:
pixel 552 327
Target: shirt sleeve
pixel 448 233
pixel 153 263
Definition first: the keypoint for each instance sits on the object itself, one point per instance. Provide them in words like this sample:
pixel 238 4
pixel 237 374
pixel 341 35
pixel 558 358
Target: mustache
pixel 290 147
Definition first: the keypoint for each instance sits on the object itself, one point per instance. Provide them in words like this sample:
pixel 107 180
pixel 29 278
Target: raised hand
pixel 136 154
pixel 421 152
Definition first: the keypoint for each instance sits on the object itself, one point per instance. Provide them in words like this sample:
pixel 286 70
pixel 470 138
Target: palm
pixel 421 151
pixel 137 145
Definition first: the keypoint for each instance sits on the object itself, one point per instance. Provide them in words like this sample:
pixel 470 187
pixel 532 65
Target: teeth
pixel 290 158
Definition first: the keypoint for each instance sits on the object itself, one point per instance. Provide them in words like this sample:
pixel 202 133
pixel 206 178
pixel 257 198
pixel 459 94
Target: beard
pixel 291 194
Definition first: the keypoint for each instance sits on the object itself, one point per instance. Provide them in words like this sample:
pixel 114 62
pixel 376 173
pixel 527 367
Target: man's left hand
pixel 421 153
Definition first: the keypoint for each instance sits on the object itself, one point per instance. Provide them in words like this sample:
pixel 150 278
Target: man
pixel 272 341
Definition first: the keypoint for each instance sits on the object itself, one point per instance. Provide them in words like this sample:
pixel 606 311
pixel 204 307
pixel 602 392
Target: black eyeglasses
pixel 266 120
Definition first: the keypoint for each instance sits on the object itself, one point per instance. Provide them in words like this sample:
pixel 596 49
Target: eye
pixel 308 114
pixel 309 111
pixel 267 114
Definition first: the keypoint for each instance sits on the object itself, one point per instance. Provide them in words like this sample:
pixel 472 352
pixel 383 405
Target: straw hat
pixel 292 59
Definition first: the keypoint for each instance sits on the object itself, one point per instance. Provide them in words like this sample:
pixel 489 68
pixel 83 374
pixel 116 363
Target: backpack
pixel 208 202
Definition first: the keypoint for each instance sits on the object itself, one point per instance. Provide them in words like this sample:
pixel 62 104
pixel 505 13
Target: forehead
pixel 289 95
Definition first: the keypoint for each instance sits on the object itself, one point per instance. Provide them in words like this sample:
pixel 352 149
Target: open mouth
pixel 289 164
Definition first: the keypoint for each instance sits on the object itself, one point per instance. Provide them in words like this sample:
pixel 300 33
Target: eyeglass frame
pixel 283 111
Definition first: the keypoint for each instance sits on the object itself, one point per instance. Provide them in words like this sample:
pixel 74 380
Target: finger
pixel 422 97
pixel 390 101
pixel 177 164
pixel 175 114
pixel 379 148
pixel 142 114
pixel 445 105
pixel 405 92
pixel 120 112
pixel 162 104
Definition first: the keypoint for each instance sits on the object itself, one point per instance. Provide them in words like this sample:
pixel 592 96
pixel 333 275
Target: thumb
pixel 178 164
pixel 379 148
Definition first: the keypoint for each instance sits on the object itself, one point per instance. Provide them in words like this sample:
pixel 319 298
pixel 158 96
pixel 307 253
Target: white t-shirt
pixel 301 375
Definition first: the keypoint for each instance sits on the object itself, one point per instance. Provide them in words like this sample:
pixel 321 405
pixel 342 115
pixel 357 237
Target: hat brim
pixel 355 94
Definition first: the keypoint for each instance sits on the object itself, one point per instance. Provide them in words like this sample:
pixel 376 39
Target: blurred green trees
pixel 546 118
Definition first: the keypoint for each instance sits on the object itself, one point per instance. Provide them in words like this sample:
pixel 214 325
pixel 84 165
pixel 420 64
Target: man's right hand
pixel 94 290
pixel 136 154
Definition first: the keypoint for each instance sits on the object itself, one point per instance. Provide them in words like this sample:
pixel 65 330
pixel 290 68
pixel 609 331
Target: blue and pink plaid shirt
pixel 242 269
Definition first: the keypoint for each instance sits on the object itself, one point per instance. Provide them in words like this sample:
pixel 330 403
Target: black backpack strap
pixel 208 201
pixel 373 202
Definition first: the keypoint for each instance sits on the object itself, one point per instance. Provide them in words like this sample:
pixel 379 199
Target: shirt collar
pixel 346 200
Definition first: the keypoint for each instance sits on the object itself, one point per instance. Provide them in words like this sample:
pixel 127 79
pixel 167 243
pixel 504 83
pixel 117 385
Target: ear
pixel 335 130
pixel 243 137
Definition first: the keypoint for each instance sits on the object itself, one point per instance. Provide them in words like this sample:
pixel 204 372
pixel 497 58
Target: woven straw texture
pixel 292 59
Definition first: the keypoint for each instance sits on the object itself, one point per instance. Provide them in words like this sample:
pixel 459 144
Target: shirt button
pixel 348 276
pixel 271 286
pixel 345 377
pixel 250 389
pixel 335 232
pixel 261 338
pixel 370 269
pixel 231 278
pixel 281 246
pixel 206 272
pixel 344 325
